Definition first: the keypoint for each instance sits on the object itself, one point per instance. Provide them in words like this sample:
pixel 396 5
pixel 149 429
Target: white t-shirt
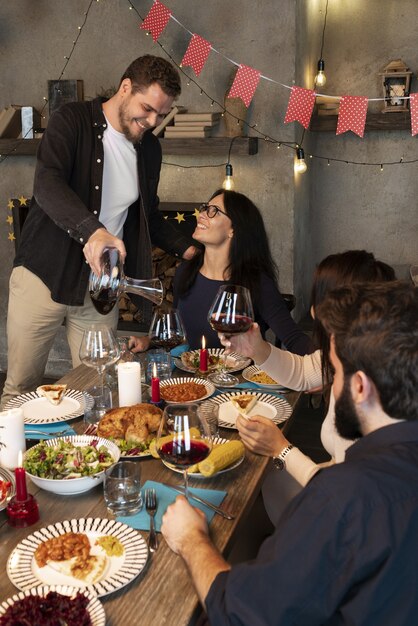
pixel 120 180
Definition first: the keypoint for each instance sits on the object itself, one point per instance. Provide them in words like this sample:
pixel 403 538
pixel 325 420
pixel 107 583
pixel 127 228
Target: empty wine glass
pixel 99 349
pixel 183 437
pixel 231 313
pixel 167 329
pixel 106 288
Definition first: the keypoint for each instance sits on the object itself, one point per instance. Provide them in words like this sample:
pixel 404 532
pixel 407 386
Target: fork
pixel 56 433
pixel 151 507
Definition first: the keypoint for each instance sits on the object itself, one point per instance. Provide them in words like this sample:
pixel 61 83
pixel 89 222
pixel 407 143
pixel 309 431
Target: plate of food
pixel 185 390
pixel 131 428
pixel 53 604
pixel 189 361
pixel 48 405
pixel 251 403
pixel 7 487
pixel 71 464
pixel 255 375
pixel 94 554
pixel 225 456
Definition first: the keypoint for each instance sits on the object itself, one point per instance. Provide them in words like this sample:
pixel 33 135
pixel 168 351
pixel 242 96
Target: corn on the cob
pixel 221 457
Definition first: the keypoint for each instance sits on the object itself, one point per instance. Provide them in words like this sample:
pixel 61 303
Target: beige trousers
pixel 33 320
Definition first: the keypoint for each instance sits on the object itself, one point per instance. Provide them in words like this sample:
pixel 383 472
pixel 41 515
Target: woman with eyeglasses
pixel 234 249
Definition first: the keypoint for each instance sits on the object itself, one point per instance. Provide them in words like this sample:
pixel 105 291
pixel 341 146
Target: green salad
pixel 65 460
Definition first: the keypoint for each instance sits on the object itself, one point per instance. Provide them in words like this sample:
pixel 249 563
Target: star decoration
pixel 196 213
pixel 9 219
pixel 10 205
pixel 11 237
pixel 166 217
pixel 180 217
pixel 23 201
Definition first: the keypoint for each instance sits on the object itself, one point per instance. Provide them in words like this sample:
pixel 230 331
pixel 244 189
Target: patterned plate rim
pixel 215 352
pixel 136 553
pixel 210 387
pixel 94 607
pixel 74 394
pixel 253 369
pixel 7 476
pixel 280 404
pixel 198 474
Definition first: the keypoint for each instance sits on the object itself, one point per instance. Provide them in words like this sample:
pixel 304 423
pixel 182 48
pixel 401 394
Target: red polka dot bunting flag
pixel 245 83
pixel 352 115
pixel 157 19
pixel 197 53
pixel 300 107
pixel 413 101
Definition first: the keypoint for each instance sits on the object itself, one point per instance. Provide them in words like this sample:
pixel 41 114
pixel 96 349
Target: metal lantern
pixel 396 79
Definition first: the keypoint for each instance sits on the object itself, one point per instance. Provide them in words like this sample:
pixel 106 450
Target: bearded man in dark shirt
pixel 345 550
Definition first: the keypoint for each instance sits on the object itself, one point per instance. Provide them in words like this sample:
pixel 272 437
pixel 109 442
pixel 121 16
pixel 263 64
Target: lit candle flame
pixel 20 459
pixel 203 342
pixel 154 370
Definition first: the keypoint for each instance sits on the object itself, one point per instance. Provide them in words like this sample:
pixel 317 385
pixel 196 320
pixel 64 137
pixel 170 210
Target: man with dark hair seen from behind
pixel 96 179
pixel 345 550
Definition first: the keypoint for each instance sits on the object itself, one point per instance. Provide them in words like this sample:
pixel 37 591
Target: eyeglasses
pixel 211 210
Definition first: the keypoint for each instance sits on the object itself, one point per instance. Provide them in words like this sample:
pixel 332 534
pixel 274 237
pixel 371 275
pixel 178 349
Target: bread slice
pixel 89 569
pixel 244 402
pixel 53 393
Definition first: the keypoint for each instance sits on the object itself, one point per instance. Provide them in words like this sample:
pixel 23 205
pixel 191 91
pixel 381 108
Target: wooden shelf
pixel 194 147
pixel 374 121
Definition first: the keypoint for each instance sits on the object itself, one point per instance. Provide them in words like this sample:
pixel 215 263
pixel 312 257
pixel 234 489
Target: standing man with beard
pixel 96 179
pixel 345 549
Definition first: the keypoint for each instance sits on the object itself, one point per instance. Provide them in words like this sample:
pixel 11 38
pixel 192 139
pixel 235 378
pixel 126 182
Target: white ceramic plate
pixel 73 486
pixel 94 608
pixel 252 370
pixel 272 407
pixel 37 410
pixel 198 474
pixel 235 362
pixel 24 573
pixel 210 388
pixel 7 477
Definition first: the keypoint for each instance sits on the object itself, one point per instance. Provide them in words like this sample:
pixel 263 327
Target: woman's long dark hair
pixel 249 255
pixel 338 270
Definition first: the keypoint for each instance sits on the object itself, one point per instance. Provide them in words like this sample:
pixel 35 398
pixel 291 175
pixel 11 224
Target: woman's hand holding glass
pixel 250 344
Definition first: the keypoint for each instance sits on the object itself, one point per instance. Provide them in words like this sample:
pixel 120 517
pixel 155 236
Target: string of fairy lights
pixel 296 147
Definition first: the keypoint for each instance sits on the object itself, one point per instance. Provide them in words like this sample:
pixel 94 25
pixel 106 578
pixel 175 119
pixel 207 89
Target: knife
pixel 201 500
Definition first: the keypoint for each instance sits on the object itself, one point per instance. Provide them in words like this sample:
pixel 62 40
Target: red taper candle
pixel 203 360
pixel 155 385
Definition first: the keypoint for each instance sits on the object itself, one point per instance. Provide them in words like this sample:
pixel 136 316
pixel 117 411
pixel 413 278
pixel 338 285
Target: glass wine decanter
pixel 106 288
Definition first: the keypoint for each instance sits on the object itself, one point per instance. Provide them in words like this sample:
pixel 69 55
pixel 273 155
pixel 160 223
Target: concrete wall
pixel 326 210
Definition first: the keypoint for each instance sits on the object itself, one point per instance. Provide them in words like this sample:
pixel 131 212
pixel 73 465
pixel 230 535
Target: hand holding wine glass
pixel 99 349
pixel 167 330
pixel 183 437
pixel 231 314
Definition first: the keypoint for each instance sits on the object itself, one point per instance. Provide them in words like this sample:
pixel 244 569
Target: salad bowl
pixel 70 465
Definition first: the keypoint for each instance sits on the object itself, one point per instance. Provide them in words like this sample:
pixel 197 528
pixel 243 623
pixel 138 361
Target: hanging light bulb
pixel 300 166
pixel 228 183
pixel 320 78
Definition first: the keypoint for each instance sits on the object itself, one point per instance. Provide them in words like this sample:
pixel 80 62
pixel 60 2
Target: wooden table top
pixel 163 593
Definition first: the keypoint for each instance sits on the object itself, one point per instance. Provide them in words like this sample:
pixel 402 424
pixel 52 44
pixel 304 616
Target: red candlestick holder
pixel 22 513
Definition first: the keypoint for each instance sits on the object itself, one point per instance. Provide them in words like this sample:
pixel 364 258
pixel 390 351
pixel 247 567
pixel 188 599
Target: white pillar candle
pixel 129 383
pixel 12 437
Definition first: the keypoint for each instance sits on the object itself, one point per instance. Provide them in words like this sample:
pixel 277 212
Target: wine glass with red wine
pixel 231 313
pixel 183 437
pixel 167 329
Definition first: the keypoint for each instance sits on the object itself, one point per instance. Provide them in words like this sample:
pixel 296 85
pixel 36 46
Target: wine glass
pixel 167 330
pixel 106 288
pixel 99 349
pixel 231 313
pixel 183 437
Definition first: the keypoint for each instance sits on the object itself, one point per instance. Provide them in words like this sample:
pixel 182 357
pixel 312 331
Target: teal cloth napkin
pixel 165 497
pixel 178 350
pixel 51 429
pixel 251 387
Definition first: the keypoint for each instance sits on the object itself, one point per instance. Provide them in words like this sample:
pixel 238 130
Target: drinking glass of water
pixel 122 488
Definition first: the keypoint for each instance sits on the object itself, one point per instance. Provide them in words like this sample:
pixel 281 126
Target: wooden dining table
pixel 163 593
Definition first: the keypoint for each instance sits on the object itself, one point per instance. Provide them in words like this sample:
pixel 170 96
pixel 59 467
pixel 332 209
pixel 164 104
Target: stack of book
pixel 192 125
pixel 327 105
